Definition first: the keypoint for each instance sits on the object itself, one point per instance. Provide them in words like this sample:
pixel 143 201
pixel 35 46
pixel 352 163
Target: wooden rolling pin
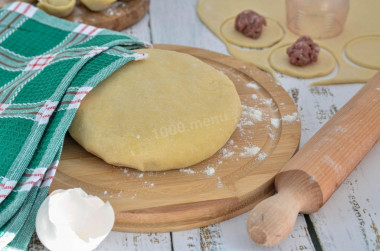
pixel 308 180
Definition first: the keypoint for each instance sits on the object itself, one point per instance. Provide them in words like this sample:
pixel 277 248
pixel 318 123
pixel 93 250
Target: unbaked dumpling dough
pixel 168 111
pixel 97 5
pixel 364 51
pixel 59 8
pixel 279 60
pixel 272 33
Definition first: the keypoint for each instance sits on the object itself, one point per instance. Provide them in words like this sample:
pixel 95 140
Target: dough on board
pixel 168 111
pixel 272 33
pixel 279 60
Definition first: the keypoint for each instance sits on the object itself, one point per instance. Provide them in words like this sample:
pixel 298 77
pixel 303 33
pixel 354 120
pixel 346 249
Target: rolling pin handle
pixel 272 220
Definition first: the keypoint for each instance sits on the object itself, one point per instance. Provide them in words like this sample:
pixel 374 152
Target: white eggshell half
pixel 73 220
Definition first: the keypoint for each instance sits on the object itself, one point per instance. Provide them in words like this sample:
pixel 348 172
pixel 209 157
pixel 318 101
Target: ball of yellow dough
pixel 168 111
pixel 97 5
pixel 59 8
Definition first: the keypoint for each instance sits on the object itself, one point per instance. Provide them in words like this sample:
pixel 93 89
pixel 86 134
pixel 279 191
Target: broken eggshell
pixel 73 220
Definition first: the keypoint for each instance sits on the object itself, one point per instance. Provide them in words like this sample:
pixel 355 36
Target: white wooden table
pixel 351 218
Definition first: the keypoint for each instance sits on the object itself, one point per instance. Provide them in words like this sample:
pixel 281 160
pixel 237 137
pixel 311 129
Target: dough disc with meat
pixel 272 33
pixel 168 111
pixel 279 60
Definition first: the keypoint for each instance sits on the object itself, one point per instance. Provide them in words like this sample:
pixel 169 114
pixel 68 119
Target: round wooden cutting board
pixel 119 16
pixel 194 197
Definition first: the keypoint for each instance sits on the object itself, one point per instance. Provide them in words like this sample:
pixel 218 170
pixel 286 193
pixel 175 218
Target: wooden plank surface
pixel 348 221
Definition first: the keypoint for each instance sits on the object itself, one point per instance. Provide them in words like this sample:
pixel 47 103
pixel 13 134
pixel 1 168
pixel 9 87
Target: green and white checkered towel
pixel 47 66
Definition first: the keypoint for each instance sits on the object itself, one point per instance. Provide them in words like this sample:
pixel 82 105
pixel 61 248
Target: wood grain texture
pixel 173 200
pixel 119 16
pixel 308 180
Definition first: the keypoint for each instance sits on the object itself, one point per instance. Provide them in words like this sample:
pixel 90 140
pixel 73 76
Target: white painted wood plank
pixel 119 241
pixel 350 220
pixel 187 240
pixel 232 235
pixel 177 22
pixel 141 30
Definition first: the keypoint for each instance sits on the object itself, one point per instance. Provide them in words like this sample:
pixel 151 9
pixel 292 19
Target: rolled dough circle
pixel 364 51
pixel 279 60
pixel 159 113
pixel 272 33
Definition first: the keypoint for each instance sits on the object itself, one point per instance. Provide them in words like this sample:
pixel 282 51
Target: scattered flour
pixel 226 153
pixel 377 89
pixel 209 171
pixel 275 122
pixel 105 192
pixel 151 185
pixel 250 151
pixel 267 101
pixel 138 136
pixel 220 184
pixel 253 85
pixel 141 175
pixel 125 170
pixel 290 118
pixel 262 156
pixel 256 115
pixel 254 96
pixel 187 170
pixel 231 142
pixel 252 113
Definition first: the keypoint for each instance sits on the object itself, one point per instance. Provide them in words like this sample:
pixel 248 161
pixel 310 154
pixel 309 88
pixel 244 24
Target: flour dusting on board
pixel 226 153
pixel 220 184
pixel 275 122
pixel 209 171
pixel 262 156
pixel 252 113
pixel 187 170
pixel 268 101
pixel 250 151
pixel 290 118
pixel 253 85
